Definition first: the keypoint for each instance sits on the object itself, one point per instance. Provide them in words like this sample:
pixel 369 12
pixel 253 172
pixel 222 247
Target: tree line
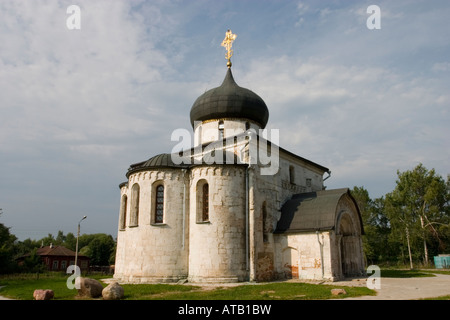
pixel 99 247
pixel 409 225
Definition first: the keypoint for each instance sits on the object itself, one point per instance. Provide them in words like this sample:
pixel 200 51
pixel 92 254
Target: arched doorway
pixel 348 246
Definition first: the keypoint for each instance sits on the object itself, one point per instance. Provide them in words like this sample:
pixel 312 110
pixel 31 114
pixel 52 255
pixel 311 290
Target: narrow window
pixel 134 214
pixel 205 202
pixel 159 204
pixel 291 175
pixel 123 212
pixel 221 129
pixel 247 125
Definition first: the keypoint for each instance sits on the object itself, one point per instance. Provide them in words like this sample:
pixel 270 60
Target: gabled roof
pixel 312 211
pixel 55 251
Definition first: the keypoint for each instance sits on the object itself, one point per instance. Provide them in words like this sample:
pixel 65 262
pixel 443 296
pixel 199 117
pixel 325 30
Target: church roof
pixel 312 211
pixel 163 160
pixel 230 101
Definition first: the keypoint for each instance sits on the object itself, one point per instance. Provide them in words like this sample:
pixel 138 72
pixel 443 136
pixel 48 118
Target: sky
pixel 78 106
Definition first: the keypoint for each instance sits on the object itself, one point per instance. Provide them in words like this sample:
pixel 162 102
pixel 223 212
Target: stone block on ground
pixel 40 294
pixel 90 288
pixel 336 292
pixel 113 292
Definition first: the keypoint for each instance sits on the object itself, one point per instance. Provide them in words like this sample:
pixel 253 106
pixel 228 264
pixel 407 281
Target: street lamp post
pixel 78 235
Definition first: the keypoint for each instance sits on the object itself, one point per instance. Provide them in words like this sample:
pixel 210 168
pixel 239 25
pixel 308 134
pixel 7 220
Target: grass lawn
pixel 267 291
pixel 411 273
pixel 22 287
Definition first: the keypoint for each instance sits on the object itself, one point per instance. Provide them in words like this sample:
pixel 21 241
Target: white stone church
pixel 219 216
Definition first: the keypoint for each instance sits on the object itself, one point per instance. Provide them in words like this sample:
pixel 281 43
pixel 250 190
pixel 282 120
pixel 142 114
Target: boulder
pixel 40 294
pixel 90 288
pixel 113 292
pixel 336 292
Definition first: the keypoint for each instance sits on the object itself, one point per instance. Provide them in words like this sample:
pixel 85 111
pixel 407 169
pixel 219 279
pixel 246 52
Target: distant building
pixel 58 258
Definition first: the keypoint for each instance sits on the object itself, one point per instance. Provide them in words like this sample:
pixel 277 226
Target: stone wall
pixel 217 246
pixel 208 131
pixel 148 251
pixel 236 242
pixel 304 256
pixel 270 192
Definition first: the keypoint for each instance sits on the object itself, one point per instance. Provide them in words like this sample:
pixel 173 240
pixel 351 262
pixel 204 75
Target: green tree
pixel 33 263
pixel 418 211
pixel 60 238
pixel 376 226
pixel 99 247
pixel 49 239
pixel 7 241
pixel 70 241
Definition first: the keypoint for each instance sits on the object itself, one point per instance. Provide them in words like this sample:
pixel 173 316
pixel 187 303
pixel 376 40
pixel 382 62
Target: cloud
pixel 362 122
pixel 79 106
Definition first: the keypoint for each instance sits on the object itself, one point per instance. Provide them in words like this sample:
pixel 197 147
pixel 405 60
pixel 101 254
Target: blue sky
pixel 77 107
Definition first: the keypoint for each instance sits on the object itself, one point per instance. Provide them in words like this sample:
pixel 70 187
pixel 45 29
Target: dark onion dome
pixel 163 160
pixel 230 101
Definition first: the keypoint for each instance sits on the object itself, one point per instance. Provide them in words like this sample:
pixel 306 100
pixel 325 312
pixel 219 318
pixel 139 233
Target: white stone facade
pixel 230 221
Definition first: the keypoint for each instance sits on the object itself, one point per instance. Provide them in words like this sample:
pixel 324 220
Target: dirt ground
pixel 405 288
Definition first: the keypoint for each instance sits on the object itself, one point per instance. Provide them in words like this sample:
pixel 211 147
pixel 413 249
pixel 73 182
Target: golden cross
pixel 227 43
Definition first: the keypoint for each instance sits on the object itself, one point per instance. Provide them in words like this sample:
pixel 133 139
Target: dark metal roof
pixel 230 101
pixel 163 160
pixel 313 211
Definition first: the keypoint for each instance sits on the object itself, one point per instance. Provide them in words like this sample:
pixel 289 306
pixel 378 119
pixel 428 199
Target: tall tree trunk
pixel 409 248
pixel 422 224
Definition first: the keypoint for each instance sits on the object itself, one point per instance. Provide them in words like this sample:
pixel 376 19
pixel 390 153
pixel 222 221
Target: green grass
pixel 411 273
pixel 447 297
pixel 22 287
pixel 407 273
pixel 270 291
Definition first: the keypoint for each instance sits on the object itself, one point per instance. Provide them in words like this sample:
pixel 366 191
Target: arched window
pixel 159 204
pixel 123 212
pixel 202 201
pixel 247 125
pixel 205 202
pixel 134 210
